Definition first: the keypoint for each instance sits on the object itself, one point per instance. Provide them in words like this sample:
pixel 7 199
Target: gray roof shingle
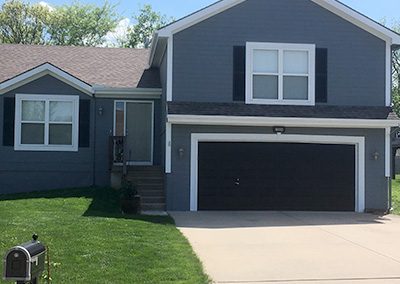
pixel 110 67
pixel 318 111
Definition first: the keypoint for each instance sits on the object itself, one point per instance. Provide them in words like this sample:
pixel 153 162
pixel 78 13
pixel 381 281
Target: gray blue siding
pixel 22 171
pixel 203 53
pixel 178 182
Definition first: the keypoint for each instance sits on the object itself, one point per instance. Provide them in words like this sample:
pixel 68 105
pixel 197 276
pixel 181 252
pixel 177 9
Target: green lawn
pixel 91 242
pixel 396 195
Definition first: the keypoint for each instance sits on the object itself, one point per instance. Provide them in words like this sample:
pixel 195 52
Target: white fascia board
pixel 198 17
pixel 281 121
pixel 153 48
pixel 133 93
pixel 40 71
pixel 334 6
pixel 359 20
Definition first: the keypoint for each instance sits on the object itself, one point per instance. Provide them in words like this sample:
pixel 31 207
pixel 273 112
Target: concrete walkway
pixel 294 247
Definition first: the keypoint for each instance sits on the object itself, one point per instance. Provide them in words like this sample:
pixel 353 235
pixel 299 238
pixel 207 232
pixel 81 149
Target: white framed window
pixel 280 73
pixel 46 122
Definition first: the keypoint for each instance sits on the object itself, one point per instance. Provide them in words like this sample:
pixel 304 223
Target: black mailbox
pixel 25 263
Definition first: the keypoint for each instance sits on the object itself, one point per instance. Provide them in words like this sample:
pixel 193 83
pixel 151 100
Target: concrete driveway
pixel 294 247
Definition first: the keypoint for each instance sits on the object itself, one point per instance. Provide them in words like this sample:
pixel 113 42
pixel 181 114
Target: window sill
pixel 280 102
pixel 40 148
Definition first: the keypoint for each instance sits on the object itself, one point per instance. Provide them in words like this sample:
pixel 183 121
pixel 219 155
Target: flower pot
pixel 131 206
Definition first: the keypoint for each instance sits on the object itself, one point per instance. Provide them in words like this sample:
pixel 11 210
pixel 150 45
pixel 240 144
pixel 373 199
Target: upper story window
pixel 280 73
pixel 46 122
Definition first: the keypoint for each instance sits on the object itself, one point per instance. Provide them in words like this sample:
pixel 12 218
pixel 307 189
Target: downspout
pixel 94 140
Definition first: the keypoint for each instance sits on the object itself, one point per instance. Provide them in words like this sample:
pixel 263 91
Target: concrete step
pixel 150 193
pixel 153 206
pixel 153 200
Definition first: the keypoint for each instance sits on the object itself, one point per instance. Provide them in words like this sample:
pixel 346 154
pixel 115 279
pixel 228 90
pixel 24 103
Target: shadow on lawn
pixel 105 202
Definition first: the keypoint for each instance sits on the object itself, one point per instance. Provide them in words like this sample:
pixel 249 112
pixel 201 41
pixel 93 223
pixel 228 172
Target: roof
pixel 333 6
pixel 246 110
pixel 109 67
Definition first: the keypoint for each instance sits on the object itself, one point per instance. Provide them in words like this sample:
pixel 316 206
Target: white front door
pixel 135 121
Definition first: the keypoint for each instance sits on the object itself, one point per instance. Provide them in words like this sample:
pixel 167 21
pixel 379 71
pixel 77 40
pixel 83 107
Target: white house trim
pixel 388 150
pixel 47 147
pixel 197 17
pixel 333 6
pixel 43 70
pixel 280 48
pixel 127 93
pixel 281 121
pixel 170 58
pixel 359 20
pixel 168 147
pixel 359 143
pixel 388 70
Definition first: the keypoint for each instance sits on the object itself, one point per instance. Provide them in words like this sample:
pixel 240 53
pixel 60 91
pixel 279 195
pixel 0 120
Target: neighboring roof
pixel 318 111
pixel 109 67
pixel 333 6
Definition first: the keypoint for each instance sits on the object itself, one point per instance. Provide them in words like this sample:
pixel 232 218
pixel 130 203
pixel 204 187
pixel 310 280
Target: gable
pixel 333 6
pixel 41 71
pixel 352 16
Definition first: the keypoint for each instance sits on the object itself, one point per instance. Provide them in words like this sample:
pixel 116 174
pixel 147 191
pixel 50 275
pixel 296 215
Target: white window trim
pixel 357 141
pixel 59 148
pixel 281 47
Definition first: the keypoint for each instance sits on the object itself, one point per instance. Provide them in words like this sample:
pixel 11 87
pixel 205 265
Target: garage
pixel 276 176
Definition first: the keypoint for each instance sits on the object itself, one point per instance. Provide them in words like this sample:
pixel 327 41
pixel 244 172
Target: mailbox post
pixel 25 263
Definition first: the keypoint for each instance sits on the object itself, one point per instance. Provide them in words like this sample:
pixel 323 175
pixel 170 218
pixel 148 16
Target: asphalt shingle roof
pixel 318 111
pixel 111 67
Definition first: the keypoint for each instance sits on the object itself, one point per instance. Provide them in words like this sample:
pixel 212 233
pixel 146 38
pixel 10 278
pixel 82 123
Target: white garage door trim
pixel 359 143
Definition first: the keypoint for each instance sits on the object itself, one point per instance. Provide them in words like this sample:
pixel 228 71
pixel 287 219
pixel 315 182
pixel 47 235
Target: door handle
pixel 237 181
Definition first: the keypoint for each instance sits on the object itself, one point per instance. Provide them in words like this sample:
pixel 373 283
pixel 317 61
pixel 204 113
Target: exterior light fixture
pixel 279 130
pixel 181 152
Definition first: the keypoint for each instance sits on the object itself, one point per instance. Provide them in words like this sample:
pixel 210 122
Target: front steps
pixel 149 181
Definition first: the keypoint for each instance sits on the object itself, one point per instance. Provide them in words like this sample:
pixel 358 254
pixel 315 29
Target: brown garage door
pixel 276 176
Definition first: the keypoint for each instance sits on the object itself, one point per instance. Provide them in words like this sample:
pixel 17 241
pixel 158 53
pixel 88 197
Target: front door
pixel 136 124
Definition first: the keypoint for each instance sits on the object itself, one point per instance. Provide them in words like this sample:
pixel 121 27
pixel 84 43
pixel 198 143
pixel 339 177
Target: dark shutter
pixel 84 123
pixel 239 73
pixel 321 75
pixel 8 121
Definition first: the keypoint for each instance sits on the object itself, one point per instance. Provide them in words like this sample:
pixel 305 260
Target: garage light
pixel 279 130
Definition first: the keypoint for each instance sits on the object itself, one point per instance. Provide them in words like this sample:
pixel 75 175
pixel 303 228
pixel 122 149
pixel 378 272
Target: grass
pixel 90 241
pixel 396 195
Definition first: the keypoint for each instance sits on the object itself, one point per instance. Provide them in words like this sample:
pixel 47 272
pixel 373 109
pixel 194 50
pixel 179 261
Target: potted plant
pixel 130 199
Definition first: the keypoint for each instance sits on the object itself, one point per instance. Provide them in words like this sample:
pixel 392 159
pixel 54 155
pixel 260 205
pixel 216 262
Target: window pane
pixel 295 88
pixel 61 111
pixel 32 133
pixel 295 62
pixel 33 110
pixel 60 134
pixel 265 87
pixel 265 61
pixel 120 119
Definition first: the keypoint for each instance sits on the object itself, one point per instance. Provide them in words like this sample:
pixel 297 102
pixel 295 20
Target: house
pixel 243 105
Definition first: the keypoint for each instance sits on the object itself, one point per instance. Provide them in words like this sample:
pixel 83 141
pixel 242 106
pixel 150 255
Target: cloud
pixel 119 33
pixel 46 5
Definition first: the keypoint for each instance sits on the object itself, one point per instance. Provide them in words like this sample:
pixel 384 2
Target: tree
pixel 147 22
pixel 23 23
pixel 82 24
pixel 396 75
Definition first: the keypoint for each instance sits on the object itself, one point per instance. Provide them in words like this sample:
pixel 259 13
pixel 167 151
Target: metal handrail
pixel 118 152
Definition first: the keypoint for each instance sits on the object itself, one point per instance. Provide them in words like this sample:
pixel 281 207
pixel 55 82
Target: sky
pixel 376 9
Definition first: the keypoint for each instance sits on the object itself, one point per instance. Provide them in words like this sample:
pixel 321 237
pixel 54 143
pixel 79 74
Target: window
pixel 46 122
pixel 278 73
